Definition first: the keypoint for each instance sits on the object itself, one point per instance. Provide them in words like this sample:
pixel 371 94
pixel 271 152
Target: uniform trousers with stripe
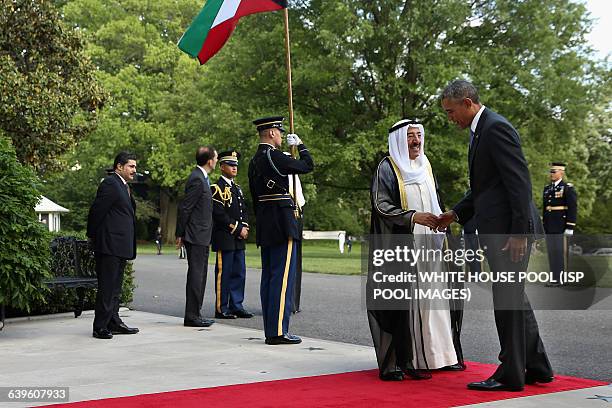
pixel 557 254
pixel 278 264
pixel 230 275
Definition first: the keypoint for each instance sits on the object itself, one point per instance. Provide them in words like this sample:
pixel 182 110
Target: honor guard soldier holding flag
pixel 230 231
pixel 560 208
pixel 277 224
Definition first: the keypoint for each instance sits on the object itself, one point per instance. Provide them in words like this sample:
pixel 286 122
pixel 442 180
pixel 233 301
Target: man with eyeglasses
pixel 559 207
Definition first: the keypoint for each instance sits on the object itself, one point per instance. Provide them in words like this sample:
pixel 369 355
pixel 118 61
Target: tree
pixel 361 65
pixel 48 94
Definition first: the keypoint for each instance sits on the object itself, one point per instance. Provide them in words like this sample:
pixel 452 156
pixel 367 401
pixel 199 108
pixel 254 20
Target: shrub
pixel 63 300
pixel 24 242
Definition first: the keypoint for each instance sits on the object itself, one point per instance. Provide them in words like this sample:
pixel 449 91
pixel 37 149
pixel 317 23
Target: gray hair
pixel 460 89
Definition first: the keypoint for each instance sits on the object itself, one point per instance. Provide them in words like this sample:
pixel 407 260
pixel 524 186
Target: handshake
pixel 437 223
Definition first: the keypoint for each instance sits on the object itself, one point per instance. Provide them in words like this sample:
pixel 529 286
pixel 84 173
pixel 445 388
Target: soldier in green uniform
pixel 559 207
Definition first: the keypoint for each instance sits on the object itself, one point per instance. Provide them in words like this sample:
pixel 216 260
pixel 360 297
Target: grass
pixel 317 256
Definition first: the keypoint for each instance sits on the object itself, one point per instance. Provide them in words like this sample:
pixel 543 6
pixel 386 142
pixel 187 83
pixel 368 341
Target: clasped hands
pixel 438 223
pixel 515 246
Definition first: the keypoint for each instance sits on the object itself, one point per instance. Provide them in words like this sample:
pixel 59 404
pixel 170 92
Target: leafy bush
pixel 24 242
pixel 63 300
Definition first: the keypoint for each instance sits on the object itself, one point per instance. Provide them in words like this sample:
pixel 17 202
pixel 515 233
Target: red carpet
pixel 356 389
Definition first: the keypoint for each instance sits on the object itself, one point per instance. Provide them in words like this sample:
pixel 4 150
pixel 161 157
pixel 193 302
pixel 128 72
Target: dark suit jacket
pixel 229 216
pixel 111 222
pixel 194 223
pixel 500 185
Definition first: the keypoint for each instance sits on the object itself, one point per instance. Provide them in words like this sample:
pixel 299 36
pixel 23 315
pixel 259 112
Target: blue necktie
pixel 471 137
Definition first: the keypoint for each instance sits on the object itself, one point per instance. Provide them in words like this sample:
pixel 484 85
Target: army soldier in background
pixel 560 204
pixel 230 231
pixel 277 224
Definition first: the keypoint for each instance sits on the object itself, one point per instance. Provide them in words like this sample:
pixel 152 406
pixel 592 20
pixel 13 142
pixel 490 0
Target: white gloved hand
pixel 569 232
pixel 293 140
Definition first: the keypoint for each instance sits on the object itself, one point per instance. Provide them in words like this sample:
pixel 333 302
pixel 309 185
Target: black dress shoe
pixel 102 334
pixel 532 379
pixel 284 339
pixel 224 315
pixel 243 314
pixel 454 367
pixel 198 323
pixel 492 385
pixel 417 374
pixel 123 329
pixel 392 376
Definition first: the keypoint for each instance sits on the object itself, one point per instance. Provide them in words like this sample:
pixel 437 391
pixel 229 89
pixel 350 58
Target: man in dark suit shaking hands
pixel 194 230
pixel 500 200
pixel 111 230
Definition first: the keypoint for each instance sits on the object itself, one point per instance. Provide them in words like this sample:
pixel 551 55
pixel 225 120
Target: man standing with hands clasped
pixel 231 229
pixel 111 226
pixel 500 200
pixel 194 230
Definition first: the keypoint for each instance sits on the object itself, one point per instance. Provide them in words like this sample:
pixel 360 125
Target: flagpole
pixel 289 84
pixel 295 307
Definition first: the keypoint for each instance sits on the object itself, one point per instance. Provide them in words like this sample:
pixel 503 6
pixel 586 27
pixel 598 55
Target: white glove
pixel 569 232
pixel 293 140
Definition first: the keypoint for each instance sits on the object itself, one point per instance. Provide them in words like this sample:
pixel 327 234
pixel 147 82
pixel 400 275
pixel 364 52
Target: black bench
pixel 73 266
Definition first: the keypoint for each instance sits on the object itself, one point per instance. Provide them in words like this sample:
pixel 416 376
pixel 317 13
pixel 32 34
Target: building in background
pixel 49 213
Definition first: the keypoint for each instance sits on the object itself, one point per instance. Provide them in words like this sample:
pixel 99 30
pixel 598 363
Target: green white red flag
pixel 215 23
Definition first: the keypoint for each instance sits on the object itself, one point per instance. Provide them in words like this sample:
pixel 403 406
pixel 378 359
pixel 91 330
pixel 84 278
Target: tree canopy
pixel 359 66
pixel 49 97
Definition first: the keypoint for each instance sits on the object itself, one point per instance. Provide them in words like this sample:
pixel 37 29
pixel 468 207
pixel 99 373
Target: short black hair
pixel 122 158
pixel 204 154
pixel 460 89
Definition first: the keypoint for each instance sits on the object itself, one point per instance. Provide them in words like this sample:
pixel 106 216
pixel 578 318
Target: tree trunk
pixel 168 204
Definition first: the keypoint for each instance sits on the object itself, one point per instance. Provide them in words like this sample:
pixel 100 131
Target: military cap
pixel 269 123
pixel 557 166
pixel 229 157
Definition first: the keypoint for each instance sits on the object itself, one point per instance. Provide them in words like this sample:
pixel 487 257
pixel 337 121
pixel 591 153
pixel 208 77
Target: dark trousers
pixel 110 281
pixel 277 279
pixel 297 288
pixel 197 261
pixel 522 350
pixel 471 242
pixel 230 276
pixel 557 254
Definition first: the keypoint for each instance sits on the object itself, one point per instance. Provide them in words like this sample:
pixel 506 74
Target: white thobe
pixel 429 318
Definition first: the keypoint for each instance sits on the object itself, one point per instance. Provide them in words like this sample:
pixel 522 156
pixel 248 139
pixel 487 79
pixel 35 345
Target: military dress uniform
pixel 277 228
pixel 229 217
pixel 559 208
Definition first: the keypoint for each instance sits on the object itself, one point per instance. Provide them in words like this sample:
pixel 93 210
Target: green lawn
pixel 318 256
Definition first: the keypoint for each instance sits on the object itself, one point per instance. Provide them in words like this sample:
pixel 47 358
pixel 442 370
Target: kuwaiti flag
pixel 215 23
